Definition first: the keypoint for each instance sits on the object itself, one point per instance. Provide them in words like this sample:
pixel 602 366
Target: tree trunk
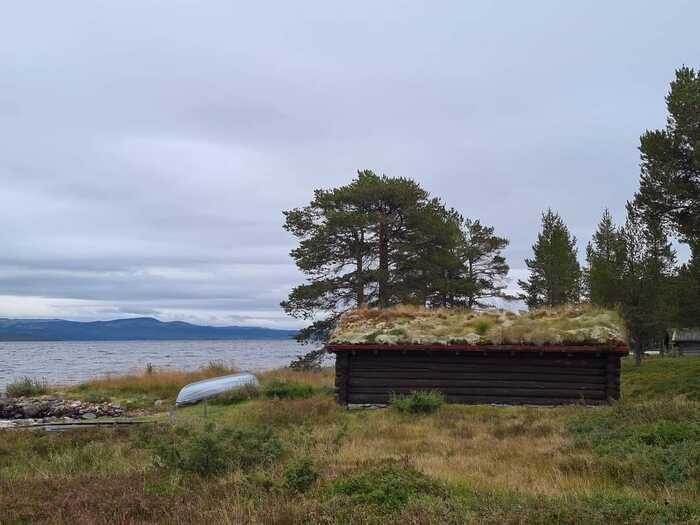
pixel 383 265
pixel 360 281
pixel 637 348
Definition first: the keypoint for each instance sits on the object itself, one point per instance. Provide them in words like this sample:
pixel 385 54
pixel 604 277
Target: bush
pixel 390 486
pixel 278 389
pixel 238 395
pixel 27 387
pixel 418 402
pixel 300 475
pixel 210 452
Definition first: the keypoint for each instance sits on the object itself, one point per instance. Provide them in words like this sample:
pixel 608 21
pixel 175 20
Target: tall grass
pixel 27 386
pixel 150 384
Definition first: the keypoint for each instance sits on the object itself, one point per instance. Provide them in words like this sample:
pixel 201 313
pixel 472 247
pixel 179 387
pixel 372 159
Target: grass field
pixel 287 454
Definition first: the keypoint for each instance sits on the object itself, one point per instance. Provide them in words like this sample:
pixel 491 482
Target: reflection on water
pixel 64 362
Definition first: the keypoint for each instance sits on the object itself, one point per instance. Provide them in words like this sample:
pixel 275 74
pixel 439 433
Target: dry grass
pixel 503 449
pixel 498 465
pixel 141 389
pixel 573 324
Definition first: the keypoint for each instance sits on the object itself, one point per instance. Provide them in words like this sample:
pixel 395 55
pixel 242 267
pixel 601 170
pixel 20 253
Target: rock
pixel 88 415
pixel 158 403
pixel 31 409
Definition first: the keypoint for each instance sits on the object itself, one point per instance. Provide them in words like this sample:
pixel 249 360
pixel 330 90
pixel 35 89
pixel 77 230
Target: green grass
pixel 662 377
pixel 296 457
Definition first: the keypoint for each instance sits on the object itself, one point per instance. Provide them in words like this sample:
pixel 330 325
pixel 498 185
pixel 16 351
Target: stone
pixel 158 403
pixel 31 409
pixel 88 415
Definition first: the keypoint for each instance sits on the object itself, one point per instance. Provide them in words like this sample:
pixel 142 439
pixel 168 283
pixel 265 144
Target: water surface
pixel 66 362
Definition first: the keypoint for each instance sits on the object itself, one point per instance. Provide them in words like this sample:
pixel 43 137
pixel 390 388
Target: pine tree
pixel 555 274
pixel 670 160
pixel 378 241
pixel 605 264
pixel 483 268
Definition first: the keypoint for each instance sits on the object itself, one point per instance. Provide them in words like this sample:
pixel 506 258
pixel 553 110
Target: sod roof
pixel 575 325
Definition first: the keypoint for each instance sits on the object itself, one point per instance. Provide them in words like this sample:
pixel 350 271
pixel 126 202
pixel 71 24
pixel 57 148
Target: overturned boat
pixel 208 388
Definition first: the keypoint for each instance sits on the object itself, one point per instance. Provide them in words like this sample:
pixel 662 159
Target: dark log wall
pixel 689 348
pixel 472 377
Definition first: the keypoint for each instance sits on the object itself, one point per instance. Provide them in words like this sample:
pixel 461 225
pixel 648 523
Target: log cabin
pixel 545 357
pixel 686 342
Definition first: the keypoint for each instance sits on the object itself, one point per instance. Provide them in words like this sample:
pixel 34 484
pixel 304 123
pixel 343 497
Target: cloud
pixel 148 149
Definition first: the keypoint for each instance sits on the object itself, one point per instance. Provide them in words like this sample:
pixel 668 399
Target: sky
pixel 148 148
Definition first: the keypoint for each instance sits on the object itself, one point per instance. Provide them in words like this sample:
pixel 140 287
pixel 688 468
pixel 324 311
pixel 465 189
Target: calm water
pixel 64 362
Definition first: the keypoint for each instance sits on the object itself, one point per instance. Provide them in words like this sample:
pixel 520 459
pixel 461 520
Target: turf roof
pixel 573 325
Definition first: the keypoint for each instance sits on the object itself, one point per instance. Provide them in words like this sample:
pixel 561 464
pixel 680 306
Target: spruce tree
pixel 605 264
pixel 687 290
pixel 555 274
pixel 648 277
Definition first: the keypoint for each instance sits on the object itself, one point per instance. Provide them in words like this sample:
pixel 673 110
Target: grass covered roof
pixel 566 325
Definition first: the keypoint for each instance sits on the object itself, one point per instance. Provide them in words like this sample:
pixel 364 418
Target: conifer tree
pixel 555 274
pixel 605 264
pixel 378 241
pixel 687 290
pixel 670 160
pixel 483 269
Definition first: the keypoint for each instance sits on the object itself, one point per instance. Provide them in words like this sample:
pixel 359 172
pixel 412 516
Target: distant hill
pixel 140 328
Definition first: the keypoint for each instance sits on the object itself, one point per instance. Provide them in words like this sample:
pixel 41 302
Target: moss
pixel 571 324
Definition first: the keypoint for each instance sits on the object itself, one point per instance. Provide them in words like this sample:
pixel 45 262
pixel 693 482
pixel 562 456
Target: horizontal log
pixel 496 392
pixel 476 359
pixel 475 368
pixel 488 400
pixel 427 384
pixel 500 375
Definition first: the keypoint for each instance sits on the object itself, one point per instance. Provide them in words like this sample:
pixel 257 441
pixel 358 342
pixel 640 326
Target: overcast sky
pixel 147 148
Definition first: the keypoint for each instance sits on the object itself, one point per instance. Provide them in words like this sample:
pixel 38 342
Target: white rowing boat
pixel 208 388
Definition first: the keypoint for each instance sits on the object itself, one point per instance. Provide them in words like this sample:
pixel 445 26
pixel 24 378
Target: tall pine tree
pixel 555 274
pixel 378 241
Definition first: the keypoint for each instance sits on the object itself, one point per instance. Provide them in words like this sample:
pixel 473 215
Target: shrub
pixel 238 395
pixel 27 386
pixel 389 485
pixel 287 390
pixel 210 452
pixel 300 475
pixel 418 402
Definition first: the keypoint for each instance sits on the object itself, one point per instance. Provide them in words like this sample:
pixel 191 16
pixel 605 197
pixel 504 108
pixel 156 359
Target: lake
pixel 66 362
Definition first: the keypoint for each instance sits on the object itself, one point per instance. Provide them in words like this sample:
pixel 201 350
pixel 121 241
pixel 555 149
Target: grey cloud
pixel 170 135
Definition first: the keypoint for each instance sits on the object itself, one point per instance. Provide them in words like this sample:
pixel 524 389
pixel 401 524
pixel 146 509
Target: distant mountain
pixel 140 328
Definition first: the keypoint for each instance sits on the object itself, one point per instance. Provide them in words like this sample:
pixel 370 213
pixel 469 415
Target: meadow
pixel 287 454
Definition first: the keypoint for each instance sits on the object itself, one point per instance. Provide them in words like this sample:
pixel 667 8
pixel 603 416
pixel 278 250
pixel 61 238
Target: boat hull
pixel 213 387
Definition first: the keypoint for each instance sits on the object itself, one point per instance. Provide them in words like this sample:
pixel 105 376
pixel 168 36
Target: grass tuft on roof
pixel 408 324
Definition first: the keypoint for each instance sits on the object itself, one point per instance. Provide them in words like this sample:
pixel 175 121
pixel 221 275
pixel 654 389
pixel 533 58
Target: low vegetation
pixel 419 402
pixel 27 386
pixel 573 324
pixel 293 459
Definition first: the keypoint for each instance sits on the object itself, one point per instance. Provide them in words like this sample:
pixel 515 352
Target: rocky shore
pixel 51 408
